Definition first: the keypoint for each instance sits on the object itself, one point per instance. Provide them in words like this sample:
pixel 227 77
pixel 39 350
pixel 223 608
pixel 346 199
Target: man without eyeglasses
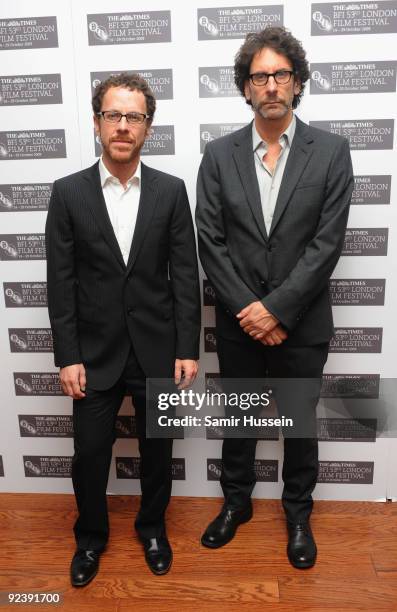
pixel 124 304
pixel 272 208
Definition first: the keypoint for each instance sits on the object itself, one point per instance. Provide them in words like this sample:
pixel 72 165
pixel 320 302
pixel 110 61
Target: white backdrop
pixel 186 52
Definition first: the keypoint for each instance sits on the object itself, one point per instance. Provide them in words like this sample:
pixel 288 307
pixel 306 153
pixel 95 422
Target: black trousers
pixel 94 420
pixel 251 359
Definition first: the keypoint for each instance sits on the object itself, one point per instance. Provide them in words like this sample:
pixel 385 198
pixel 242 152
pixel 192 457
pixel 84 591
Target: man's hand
pixel 73 380
pixel 185 371
pixel 275 337
pixel 256 320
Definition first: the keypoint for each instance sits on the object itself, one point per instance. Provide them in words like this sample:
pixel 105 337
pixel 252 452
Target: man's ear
pixel 247 92
pixel 297 86
pixel 148 129
pixel 96 125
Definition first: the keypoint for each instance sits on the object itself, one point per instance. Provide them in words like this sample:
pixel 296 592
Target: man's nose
pixel 271 84
pixel 122 124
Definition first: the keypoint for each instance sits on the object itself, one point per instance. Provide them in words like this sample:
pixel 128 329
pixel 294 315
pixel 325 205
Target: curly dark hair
pixel 134 82
pixel 280 40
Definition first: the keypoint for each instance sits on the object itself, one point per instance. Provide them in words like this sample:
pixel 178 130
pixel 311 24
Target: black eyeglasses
pixel 282 77
pixel 115 117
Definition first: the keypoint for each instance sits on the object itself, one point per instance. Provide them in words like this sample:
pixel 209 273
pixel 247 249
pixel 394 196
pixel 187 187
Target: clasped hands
pixel 261 325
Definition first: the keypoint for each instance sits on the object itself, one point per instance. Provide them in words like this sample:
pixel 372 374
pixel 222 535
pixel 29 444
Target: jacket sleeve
pixel 61 281
pixel 311 274
pixel 184 278
pixel 230 288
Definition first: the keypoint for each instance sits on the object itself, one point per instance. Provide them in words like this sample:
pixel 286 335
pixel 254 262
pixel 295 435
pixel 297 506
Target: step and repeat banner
pixel 52 56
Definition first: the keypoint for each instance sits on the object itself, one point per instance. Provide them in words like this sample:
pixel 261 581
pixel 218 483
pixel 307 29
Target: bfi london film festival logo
pixel 212 131
pixel 161 141
pixel 22 247
pixel 25 196
pixel 363 135
pixel 28 33
pixel 266 470
pixel 328 18
pixel 217 82
pixel 25 295
pixel 357 340
pixel 237 21
pixel 25 340
pixel 160 81
pixel 209 296
pixel 45 425
pixel 125 426
pixel 37 383
pixel 38 466
pixel 209 340
pixel 371 189
pixel 370 241
pixel 44 144
pixel 357 292
pixel 353 77
pixel 350 386
pixel 130 468
pixel 30 89
pixel 346 430
pixel 129 28
pixel 346 472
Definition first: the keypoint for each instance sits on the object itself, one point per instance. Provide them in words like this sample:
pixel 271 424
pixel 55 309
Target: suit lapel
pixel 298 157
pixel 245 163
pixel 147 205
pixel 97 204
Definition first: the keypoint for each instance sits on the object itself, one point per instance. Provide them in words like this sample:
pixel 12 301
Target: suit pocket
pixel 315 186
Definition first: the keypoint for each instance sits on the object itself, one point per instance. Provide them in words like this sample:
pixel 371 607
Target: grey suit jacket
pixel 289 269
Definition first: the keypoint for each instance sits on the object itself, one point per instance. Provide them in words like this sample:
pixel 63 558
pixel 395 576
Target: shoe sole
pixel 212 545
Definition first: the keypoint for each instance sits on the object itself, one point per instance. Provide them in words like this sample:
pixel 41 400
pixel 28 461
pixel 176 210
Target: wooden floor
pixel 356 567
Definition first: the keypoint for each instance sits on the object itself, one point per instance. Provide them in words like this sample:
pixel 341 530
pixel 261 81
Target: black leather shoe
pixel 158 554
pixel 301 549
pixel 224 527
pixel 84 567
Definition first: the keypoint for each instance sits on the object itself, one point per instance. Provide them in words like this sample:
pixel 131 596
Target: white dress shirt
pixel 122 205
pixel 269 182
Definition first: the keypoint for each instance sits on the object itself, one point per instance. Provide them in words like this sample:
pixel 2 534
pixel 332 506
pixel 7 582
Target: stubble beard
pixel 271 113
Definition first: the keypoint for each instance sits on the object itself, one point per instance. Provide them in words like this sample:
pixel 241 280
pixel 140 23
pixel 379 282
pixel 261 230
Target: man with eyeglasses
pixel 124 304
pixel 272 208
